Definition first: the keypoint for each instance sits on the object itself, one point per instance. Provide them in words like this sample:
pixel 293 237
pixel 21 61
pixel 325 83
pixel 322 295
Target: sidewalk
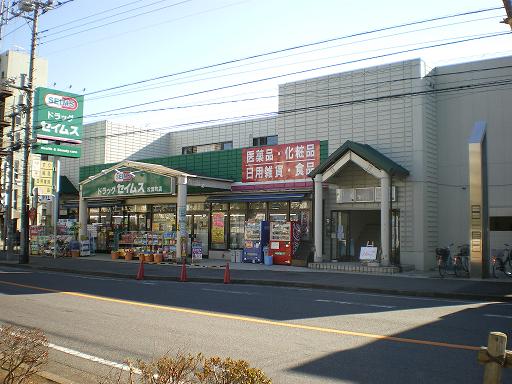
pixel 411 284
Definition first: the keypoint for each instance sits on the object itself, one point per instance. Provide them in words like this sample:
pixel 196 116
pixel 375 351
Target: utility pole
pixel 24 240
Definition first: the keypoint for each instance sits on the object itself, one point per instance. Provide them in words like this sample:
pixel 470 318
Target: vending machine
pixel 256 237
pixel 283 241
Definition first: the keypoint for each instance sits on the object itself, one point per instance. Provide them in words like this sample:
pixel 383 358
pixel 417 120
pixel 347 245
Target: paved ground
pixel 412 284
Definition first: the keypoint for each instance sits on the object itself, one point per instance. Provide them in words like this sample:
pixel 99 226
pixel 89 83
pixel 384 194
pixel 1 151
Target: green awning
pixel 366 152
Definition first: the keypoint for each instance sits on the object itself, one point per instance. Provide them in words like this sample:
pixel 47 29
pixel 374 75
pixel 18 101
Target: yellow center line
pixel 250 319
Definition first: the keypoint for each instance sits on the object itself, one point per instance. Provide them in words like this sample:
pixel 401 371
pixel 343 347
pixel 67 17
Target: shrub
pixel 189 369
pixel 22 353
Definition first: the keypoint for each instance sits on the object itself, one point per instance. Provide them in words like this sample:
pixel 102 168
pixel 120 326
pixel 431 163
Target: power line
pixel 297 72
pixel 297 47
pixel 166 83
pixel 92 15
pixel 153 102
pixel 325 106
pixel 105 18
pixel 115 21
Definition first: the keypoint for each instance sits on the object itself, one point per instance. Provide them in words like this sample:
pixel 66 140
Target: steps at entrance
pixel 356 267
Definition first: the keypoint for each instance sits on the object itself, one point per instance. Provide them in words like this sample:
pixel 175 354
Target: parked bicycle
pixel 457 265
pixel 461 260
pixel 502 262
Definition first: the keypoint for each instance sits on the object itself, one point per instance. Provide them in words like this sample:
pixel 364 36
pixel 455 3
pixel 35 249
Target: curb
pixel 278 283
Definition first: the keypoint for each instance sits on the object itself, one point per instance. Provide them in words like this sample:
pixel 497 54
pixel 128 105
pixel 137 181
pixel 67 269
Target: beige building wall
pixel 385 107
pixel 459 105
pixel 13 65
pixel 240 133
pixel 109 142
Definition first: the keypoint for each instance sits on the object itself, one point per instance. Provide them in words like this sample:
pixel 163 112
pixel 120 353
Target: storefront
pixel 120 210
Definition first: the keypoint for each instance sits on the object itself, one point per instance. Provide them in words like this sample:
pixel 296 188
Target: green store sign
pixel 128 182
pixel 58 116
pixel 58 150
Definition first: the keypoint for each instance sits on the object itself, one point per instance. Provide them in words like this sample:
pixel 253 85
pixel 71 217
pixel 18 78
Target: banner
pixel 125 181
pixel 218 227
pixel 278 163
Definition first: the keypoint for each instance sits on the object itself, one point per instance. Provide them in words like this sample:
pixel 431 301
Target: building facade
pixel 14 66
pixel 403 120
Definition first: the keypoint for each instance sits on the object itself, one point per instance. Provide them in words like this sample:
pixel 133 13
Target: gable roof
pixel 368 153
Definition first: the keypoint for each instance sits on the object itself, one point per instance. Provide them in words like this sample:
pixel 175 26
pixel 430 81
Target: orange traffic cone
pixel 183 275
pixel 227 275
pixel 140 272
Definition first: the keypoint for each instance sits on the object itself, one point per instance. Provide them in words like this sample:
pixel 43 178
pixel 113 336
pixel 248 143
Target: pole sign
pixel 58 117
pixel 58 150
pixel 126 181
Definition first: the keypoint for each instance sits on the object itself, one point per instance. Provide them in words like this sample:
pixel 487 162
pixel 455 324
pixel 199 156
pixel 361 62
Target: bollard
pixel 494 357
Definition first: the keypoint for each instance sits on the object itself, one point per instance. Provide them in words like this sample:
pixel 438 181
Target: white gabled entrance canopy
pixel 371 161
pixel 136 179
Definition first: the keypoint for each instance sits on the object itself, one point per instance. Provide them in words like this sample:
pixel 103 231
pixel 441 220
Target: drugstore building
pixel 391 165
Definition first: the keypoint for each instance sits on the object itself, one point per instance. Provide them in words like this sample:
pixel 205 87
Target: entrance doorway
pixel 197 227
pixel 352 229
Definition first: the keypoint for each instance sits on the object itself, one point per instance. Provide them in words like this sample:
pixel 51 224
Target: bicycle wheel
pixel 441 266
pixel 457 269
pixel 507 268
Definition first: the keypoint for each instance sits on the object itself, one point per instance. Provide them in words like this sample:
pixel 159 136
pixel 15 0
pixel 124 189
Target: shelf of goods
pixel 152 246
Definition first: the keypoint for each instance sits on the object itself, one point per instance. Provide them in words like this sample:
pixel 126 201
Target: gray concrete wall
pixel 457 111
pixel 357 106
pixel 240 133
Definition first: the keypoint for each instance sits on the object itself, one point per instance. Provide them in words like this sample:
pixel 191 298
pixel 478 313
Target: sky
pixel 101 48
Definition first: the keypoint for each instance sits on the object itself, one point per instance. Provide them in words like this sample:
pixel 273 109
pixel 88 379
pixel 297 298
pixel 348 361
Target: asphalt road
pixel 294 335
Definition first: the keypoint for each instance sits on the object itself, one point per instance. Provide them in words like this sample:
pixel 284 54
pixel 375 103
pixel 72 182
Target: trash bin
pixel 266 258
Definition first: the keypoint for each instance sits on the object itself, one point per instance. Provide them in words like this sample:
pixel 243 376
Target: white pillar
pixel 181 217
pixel 385 187
pixel 82 214
pixel 318 218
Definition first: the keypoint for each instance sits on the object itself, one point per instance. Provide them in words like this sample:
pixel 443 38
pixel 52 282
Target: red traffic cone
pixel 140 272
pixel 227 275
pixel 183 275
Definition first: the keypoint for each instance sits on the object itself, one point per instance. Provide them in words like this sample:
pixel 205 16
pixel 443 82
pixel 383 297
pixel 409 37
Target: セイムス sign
pixel 58 116
pixel 125 181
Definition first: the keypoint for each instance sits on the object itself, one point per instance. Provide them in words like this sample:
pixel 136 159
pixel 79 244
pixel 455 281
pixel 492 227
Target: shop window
pixel 300 211
pixel 257 211
pixel 94 215
pixel 236 230
pixel 264 140
pixel 219 206
pixel 218 230
pixel 500 223
pixel 164 218
pixel 198 207
pixel 278 211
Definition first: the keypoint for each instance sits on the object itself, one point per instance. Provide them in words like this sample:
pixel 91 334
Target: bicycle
pixel 444 260
pixel 461 260
pixel 502 264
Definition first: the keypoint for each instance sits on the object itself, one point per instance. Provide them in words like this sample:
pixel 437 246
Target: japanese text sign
pixel 284 162
pixel 58 115
pixel 125 181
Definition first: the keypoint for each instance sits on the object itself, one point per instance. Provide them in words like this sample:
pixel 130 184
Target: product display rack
pixel 148 243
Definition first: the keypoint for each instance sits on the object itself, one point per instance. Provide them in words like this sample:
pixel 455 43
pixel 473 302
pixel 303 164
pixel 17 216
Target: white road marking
pixel 95 359
pixel 501 316
pixel 227 291
pixel 349 303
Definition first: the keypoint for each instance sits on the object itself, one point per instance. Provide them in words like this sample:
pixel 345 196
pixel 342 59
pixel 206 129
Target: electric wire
pixel 296 47
pixel 299 72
